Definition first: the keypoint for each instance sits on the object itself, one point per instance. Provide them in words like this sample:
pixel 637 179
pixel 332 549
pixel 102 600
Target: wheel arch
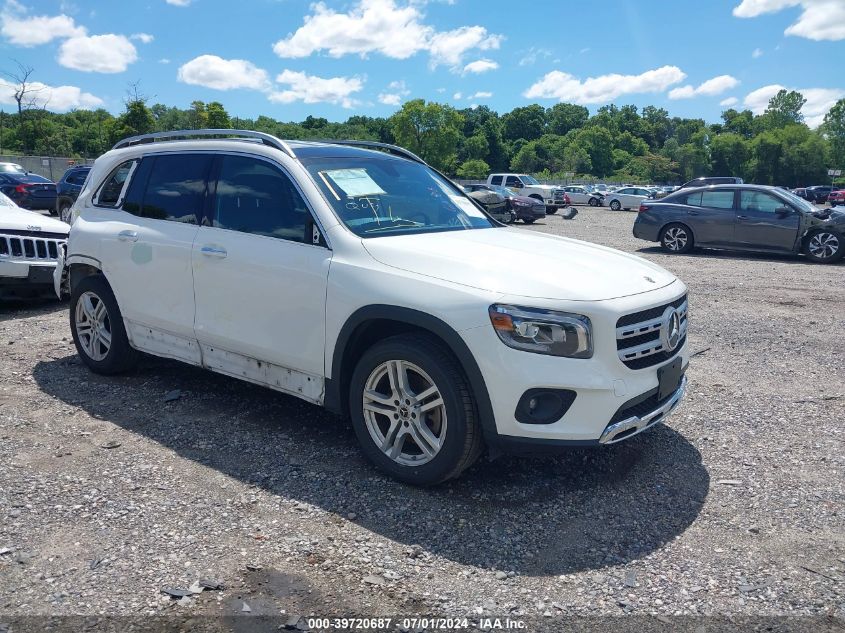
pixel 373 323
pixel 80 267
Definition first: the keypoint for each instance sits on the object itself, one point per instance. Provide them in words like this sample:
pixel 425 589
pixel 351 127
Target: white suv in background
pixel 352 275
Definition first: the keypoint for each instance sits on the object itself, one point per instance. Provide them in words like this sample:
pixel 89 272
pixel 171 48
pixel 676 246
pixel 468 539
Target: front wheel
pixel 676 238
pixel 594 202
pixel 64 212
pixel 412 410
pixel 615 205
pixel 528 220
pixel 97 328
pixel 824 247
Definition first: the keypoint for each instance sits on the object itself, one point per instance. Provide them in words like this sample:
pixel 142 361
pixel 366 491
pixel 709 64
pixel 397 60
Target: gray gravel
pixel 115 489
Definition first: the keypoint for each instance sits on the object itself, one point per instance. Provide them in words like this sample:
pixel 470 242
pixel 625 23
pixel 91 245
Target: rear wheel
pixel 824 247
pixel 97 328
pixel 412 410
pixel 528 220
pixel 676 238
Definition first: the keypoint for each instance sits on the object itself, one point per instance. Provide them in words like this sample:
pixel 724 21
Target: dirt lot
pixel 112 489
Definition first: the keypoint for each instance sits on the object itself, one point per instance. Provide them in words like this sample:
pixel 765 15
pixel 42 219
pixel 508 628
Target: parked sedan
pixel 496 205
pixel 818 193
pixel 526 209
pixel 68 189
pixel 579 195
pixel 743 217
pixel 836 197
pixel 628 198
pixel 28 190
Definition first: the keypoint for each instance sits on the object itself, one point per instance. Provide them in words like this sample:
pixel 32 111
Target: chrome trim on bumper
pixel 641 423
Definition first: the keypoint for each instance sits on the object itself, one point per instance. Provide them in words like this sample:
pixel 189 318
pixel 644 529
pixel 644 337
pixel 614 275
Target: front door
pixel 260 280
pixel 764 221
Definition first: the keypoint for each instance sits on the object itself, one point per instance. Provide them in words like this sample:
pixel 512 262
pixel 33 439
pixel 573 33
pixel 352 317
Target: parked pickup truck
pixel 524 185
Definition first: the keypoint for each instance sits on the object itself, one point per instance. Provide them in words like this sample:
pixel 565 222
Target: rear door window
pixel 176 188
pixel 255 197
pixel 717 199
pixel 496 180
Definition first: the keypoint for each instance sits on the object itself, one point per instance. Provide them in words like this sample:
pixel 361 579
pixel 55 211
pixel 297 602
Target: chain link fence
pixel 51 167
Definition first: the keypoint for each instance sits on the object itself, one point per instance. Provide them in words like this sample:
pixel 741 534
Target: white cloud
pixel 757 53
pixel 819 19
pixel 480 66
pixel 179 3
pixel 394 93
pixel 531 56
pixel 215 72
pixel 481 95
pixel 108 53
pixel 730 101
pixel 602 89
pixel 144 38
pixel 22 30
pixel 381 26
pixel 709 88
pixel 311 89
pixel 164 60
pixel 458 96
pixel 54 98
pixel 819 101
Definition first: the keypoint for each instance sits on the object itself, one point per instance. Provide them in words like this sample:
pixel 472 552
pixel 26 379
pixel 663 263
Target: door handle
pixel 214 251
pixel 742 217
pixel 692 212
pixel 128 236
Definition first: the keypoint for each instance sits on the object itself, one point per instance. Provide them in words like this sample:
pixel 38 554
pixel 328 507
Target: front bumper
pixel 25 279
pixel 605 387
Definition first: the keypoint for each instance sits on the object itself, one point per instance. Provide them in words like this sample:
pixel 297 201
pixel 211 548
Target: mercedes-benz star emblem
pixel 649 279
pixel 670 329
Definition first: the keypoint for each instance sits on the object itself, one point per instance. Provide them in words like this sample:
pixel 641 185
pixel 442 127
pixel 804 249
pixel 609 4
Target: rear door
pixel 146 243
pixel 710 215
pixel 765 221
pixel 260 274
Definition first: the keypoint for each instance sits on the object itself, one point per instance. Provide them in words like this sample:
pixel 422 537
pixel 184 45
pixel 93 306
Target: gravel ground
pixel 113 489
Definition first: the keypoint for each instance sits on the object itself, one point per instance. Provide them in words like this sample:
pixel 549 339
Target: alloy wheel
pixel 404 412
pixel 675 239
pixel 823 245
pixel 93 326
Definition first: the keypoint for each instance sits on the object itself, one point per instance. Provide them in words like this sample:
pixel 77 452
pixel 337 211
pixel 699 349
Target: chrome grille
pixel 29 248
pixel 639 340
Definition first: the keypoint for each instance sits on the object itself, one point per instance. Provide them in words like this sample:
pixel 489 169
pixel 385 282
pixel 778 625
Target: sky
pixel 334 58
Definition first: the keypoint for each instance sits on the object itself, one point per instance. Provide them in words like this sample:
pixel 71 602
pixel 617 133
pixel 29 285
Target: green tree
pixel 218 118
pixel 136 119
pixel 563 117
pixel 430 129
pixel 785 108
pixel 198 115
pixel 473 169
pixel 834 129
pixel 528 122
pixel 476 146
pixel 729 154
pixel 598 143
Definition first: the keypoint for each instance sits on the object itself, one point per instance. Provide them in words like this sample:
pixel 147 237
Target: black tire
pixel 593 202
pixel 676 238
pixel 824 247
pixel 63 211
pixel 615 205
pixel 529 220
pixel 462 443
pixel 551 211
pixel 120 356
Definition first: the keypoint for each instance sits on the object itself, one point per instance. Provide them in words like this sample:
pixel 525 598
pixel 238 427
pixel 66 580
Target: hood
pixel 523 263
pixel 17 219
pixel 831 215
pixel 525 200
pixel 546 187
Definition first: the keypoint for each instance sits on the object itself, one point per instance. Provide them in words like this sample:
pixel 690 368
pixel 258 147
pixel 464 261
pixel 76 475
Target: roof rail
pixel 386 147
pixel 266 139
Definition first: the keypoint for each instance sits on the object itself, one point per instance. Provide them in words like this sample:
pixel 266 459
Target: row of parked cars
pixel 37 193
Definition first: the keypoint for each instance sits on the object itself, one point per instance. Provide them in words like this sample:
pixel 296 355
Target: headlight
pixel 543 331
pixel 521 203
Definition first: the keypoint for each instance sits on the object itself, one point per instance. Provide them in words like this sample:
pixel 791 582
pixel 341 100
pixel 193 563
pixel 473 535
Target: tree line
pixel 563 141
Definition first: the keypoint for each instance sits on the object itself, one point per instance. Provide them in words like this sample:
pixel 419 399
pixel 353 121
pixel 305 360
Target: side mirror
pixel 517 185
pixel 782 212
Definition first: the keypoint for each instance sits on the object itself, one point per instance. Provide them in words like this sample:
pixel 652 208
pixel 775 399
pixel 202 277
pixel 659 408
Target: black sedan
pixel 28 190
pixel 742 217
pixel 526 209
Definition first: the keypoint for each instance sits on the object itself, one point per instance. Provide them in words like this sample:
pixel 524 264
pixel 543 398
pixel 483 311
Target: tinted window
pixel 255 197
pixel 109 194
pixel 759 201
pixel 176 188
pixel 513 181
pixel 496 180
pixel 77 177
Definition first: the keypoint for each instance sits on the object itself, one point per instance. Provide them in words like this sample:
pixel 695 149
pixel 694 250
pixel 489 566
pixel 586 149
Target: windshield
pixel 798 202
pixel 503 191
pixel 387 196
pixel 528 180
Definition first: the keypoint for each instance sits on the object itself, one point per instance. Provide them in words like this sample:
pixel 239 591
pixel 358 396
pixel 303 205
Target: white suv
pixel 356 277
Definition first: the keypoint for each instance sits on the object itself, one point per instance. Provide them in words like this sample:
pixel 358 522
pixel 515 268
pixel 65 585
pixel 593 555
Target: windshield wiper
pixel 395 224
